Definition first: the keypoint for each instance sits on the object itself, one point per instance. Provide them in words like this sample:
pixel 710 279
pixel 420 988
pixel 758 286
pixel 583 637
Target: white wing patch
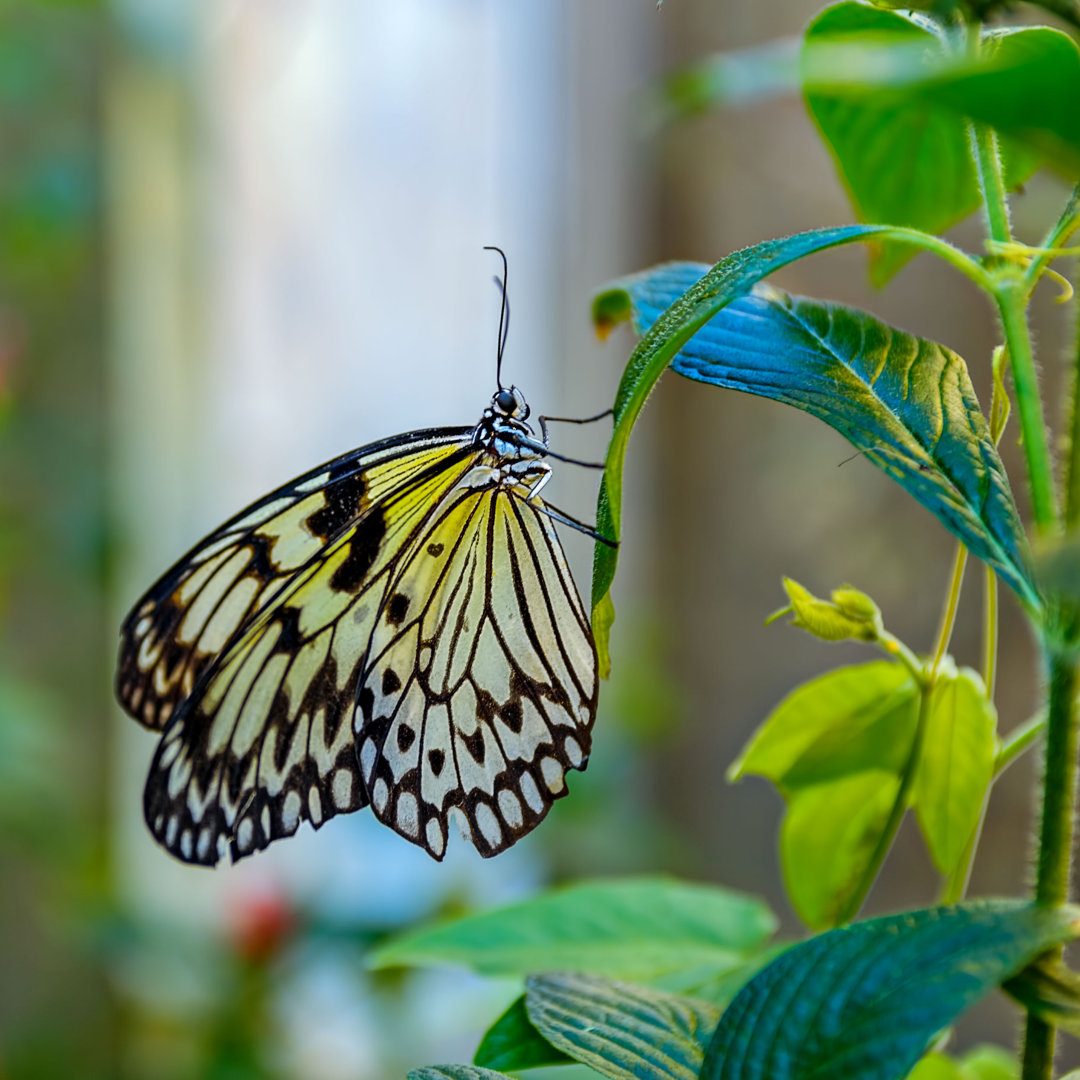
pixel 479 686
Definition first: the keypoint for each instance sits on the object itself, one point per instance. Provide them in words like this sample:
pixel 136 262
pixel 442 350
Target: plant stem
pixel 990 633
pixel 988 166
pixel 948 615
pixel 1020 738
pixel 1011 300
pixel 1072 465
pixel 896 814
pixel 1056 827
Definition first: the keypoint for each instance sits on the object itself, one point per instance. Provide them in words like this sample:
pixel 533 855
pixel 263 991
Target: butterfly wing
pixel 263 741
pixel 479 689
pixel 173 634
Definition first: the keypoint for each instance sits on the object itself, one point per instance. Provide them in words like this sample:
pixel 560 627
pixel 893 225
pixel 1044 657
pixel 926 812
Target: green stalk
pixel 1072 464
pixel 948 615
pixel 1012 306
pixel 1055 829
pixel 1056 238
pixel 988 166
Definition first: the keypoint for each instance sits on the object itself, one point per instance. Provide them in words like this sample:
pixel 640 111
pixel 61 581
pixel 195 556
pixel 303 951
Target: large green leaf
pixel 845 721
pixel 828 839
pixel 688 313
pixel 905 403
pixel 903 156
pixel 623 1031
pixel 863 1002
pixel 956 766
pixel 513 1043
pixel 835 747
pixel 630 926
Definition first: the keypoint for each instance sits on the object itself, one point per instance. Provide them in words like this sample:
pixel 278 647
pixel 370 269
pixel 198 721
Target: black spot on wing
pixel 406 736
pixel 435 550
pixel 390 682
pixel 363 550
pixel 397 609
pixel 436 759
pixel 344 502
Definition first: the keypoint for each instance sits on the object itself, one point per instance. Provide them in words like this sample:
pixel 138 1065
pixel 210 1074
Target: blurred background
pixel 240 237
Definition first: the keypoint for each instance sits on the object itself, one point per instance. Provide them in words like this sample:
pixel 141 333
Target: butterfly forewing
pixel 479 688
pixel 264 739
pixel 175 632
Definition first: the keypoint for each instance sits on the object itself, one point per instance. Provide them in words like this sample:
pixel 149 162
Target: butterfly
pixel 396 628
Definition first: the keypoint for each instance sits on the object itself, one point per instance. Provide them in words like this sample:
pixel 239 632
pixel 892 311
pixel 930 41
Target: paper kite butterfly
pixel 398 628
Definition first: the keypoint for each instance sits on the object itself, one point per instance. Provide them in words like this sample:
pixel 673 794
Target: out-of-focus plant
pixel 930 116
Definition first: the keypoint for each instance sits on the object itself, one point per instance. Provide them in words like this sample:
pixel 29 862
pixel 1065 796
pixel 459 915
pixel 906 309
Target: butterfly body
pixel 398 628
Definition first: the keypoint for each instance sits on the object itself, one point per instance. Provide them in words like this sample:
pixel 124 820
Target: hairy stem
pixel 988 166
pixel 1012 306
pixel 1072 461
pixel 1056 827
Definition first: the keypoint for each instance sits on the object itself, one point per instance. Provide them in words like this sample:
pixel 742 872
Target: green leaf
pixel 843 722
pixel 828 838
pixel 905 403
pixel 863 1002
pixel 513 1043
pixel 730 278
pixel 989 1063
pixel 456 1072
pixel 623 1031
pixel 1051 991
pixel 936 1067
pixel 1029 94
pixel 955 767
pixel 903 156
pixel 630 926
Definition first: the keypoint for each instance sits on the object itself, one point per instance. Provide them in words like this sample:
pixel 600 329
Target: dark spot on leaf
pixel 436 759
pixel 435 549
pixel 390 682
pixel 405 737
pixel 395 610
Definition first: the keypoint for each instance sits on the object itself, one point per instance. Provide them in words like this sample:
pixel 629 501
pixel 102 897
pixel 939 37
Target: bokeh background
pixel 239 237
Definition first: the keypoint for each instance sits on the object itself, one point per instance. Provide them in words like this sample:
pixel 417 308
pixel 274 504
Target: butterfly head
pixel 510 403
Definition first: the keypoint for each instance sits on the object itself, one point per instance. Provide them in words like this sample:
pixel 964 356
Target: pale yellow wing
pixel 186 619
pixel 263 741
pixel 479 689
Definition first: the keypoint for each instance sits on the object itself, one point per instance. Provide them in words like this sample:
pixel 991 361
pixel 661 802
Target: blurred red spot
pixel 259 925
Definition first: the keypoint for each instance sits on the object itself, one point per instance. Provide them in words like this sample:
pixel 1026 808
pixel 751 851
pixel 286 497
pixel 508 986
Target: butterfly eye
pixel 506 401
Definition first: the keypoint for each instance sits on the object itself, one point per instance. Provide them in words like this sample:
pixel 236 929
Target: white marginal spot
pixel 553 774
pixel 367 757
pixel 264 820
pixel 573 750
pixel 531 793
pixel 169 752
pixel 489 824
pixel 408 814
pixel 179 776
pixel 510 808
pixel 203 846
pixel 314 802
pixel 436 840
pixel 461 820
pixel 342 788
pixel 186 844
pixel 263 513
pixel 290 811
pixel 244 835
pixel 314 483
pixel 379 794
pixel 142 626
pixel 171 831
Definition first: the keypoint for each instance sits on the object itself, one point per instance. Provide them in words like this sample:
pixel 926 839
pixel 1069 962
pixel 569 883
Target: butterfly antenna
pixel 504 313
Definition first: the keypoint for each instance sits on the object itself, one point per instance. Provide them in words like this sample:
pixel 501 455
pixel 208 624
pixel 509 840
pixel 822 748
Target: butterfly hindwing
pixel 175 632
pixel 264 740
pixel 480 685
